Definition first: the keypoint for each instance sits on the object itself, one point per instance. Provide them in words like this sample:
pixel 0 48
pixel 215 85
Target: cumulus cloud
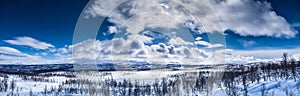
pixel 112 29
pixel 245 17
pixel 86 50
pixel 31 42
pixel 95 50
pixel 248 17
pixel 179 41
pixel 134 50
pixel 238 59
pixel 116 50
pixel 124 50
pixel 142 38
pixel 232 57
pixel 136 15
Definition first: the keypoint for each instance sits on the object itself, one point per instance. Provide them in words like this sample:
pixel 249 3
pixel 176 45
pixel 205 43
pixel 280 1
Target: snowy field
pixel 237 80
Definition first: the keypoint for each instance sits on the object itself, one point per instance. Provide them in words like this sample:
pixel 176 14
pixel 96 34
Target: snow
pixel 278 88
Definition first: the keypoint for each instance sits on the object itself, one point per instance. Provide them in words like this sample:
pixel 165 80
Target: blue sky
pixel 43 29
pixel 52 21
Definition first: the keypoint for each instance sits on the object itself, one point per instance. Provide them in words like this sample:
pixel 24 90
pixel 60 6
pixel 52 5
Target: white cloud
pixel 258 55
pixel 208 45
pixel 136 15
pixel 9 50
pixel 88 50
pixel 31 42
pixel 127 50
pixel 235 58
pixel 179 41
pixel 117 50
pixel 238 59
pixel 204 43
pixel 267 53
pixel 245 17
pixel 63 50
pixel 296 56
pixel 112 29
pixel 31 59
pixel 198 38
pixel 133 50
pixel 121 50
pixel 10 55
pixel 141 38
pixel 248 17
pixel 297 24
pixel 215 46
pixel 248 43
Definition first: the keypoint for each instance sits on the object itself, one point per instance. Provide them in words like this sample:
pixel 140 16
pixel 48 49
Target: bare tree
pixel 263 89
pixel 284 58
pixel 293 67
pixel 285 64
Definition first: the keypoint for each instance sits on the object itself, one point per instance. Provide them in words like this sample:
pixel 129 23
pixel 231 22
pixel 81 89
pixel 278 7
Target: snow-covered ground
pixel 237 81
pixel 289 87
